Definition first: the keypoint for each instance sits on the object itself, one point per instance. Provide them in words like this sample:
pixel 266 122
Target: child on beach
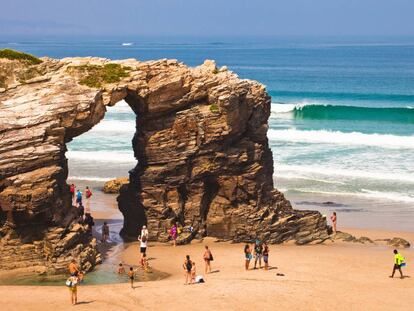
pixel 72 284
pixel 399 261
pixel 121 269
pixel 258 250
pixel 144 263
pixel 247 255
pixel 131 276
pixel 266 256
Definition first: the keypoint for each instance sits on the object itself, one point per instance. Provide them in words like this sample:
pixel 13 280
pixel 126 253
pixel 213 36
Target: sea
pixel 342 116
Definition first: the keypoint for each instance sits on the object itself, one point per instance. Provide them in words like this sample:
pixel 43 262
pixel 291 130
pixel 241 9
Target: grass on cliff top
pixel 20 56
pixel 95 75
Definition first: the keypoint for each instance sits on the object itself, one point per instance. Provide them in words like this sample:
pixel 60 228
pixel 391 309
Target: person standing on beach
pixel 131 276
pixel 72 284
pixel 174 233
pixel 72 192
pixel 208 257
pixel 399 261
pixel 188 269
pixel 78 197
pixel 81 212
pixel 88 195
pixel 266 256
pixel 258 251
pixel 105 232
pixel 143 245
pixel 333 219
pixel 247 255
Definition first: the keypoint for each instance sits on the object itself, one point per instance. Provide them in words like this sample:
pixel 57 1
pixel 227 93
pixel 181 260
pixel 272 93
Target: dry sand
pixel 335 276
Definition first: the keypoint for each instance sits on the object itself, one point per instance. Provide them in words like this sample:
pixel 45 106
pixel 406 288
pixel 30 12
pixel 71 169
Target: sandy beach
pixel 332 276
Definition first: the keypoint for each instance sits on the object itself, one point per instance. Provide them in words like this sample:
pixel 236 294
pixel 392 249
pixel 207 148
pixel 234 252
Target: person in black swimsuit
pixel 188 266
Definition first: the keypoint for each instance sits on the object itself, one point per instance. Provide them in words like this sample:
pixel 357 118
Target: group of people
pixel 259 251
pixel 189 266
pixel 83 212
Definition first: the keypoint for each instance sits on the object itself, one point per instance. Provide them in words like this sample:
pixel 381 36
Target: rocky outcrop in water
pixel 114 185
pixel 203 158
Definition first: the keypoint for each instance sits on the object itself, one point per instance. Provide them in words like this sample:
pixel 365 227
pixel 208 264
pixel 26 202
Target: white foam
pixel 114 126
pixel 278 108
pixel 389 196
pixel 90 178
pixel 342 138
pixel 127 44
pixel 102 156
pixel 330 171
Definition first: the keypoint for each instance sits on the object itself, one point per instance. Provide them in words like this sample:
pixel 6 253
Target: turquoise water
pixel 342 119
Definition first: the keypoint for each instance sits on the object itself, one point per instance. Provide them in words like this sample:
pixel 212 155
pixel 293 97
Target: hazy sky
pixel 207 17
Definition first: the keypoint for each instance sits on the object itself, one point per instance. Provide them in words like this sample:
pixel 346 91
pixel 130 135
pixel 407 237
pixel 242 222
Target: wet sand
pixel 333 276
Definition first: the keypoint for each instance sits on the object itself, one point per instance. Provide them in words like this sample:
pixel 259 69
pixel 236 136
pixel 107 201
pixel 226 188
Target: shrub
pixel 95 75
pixel 20 56
pixel 214 108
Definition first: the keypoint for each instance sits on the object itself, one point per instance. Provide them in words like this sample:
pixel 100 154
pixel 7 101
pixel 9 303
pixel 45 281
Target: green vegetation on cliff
pixel 20 56
pixel 96 76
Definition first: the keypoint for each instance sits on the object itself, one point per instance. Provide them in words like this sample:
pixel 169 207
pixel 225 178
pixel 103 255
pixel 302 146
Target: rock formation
pixel 114 185
pixel 203 158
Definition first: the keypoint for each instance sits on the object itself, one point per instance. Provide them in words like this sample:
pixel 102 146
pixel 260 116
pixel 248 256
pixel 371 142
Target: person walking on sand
pixel 88 195
pixel 78 197
pixel 131 276
pixel 266 256
pixel 247 256
pixel 105 232
pixel 208 257
pixel 188 268
pixel 72 190
pixel 333 219
pixel 399 261
pixel 72 283
pixel 258 251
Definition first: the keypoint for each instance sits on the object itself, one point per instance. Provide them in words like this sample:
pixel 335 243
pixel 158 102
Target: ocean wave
pixel 90 178
pixel 342 138
pixel 320 111
pixel 102 156
pixel 368 194
pixel 385 98
pixel 319 171
pixel 115 126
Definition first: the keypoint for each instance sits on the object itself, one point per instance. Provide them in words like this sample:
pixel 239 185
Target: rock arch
pixel 200 143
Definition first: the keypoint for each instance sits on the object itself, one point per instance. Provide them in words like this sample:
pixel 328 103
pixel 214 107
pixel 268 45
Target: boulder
pixel 114 185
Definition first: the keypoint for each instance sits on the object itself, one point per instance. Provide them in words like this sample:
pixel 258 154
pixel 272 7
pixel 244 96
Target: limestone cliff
pixel 202 155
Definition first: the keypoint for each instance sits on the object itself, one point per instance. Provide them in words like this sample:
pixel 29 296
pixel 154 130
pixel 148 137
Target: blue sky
pixel 207 17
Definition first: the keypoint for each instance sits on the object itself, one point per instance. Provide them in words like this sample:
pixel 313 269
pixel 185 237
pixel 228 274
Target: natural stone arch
pixel 200 143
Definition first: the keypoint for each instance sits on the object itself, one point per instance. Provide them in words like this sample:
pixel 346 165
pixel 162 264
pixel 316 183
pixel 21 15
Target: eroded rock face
pixel 202 153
